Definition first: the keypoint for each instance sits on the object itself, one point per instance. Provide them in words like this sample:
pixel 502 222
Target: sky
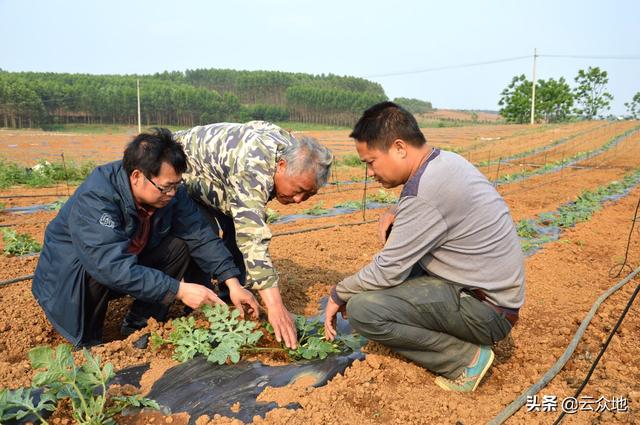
pixel 412 48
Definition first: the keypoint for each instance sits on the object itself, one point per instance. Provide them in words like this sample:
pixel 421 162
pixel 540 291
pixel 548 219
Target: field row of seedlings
pixel 563 279
pixel 528 177
pixel 567 139
pixel 579 149
pixel 522 144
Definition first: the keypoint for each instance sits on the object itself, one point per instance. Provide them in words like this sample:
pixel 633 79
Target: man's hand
pixel 330 313
pixel 241 297
pixel 279 318
pixel 195 295
pixel 386 219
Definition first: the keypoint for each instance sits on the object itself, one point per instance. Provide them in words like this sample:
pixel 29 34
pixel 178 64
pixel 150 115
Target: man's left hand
pixel 330 313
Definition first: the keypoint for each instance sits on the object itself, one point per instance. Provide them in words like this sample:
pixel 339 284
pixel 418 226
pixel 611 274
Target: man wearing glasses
pixel 131 229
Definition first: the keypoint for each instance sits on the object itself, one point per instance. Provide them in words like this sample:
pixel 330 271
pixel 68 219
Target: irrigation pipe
pixel 16 280
pixel 328 226
pixel 559 364
pixel 46 195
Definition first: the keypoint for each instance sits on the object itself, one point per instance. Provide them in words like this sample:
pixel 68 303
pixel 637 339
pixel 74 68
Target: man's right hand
pixel 386 219
pixel 280 319
pixel 195 295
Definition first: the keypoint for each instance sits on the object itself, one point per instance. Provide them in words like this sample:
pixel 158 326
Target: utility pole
pixel 138 89
pixel 533 88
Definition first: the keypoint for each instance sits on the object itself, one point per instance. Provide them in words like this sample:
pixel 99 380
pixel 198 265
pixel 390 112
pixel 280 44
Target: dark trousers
pixel 171 256
pixel 429 321
pixel 221 222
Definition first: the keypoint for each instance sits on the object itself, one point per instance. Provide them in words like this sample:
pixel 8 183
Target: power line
pixel 441 68
pixel 512 59
pixel 615 57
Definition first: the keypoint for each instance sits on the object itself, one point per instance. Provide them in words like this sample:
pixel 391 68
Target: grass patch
pixel 43 174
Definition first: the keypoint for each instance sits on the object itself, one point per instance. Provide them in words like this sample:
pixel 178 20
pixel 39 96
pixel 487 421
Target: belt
pixel 510 314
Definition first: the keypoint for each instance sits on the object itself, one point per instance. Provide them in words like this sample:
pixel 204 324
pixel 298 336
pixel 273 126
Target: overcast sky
pixel 370 39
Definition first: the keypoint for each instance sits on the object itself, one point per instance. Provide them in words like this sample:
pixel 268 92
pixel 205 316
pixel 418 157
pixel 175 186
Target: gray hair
pixel 308 154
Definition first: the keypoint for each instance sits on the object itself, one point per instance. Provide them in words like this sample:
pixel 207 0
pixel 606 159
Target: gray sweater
pixel 451 221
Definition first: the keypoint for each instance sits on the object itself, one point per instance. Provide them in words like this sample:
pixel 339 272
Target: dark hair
pixel 149 150
pixel 385 122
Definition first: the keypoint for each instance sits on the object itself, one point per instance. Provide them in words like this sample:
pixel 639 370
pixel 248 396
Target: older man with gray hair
pixel 234 170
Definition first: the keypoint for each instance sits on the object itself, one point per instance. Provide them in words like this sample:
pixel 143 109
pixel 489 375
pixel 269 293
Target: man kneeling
pixel 450 279
pixel 131 229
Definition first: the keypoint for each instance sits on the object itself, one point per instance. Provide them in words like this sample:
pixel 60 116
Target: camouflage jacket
pixel 231 168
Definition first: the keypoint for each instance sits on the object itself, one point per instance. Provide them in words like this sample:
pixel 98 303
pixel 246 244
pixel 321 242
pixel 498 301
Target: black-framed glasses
pixel 167 189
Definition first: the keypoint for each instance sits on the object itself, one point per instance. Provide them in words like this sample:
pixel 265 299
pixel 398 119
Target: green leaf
pixel 40 357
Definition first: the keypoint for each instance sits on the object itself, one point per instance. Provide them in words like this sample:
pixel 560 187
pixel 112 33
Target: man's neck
pixel 421 155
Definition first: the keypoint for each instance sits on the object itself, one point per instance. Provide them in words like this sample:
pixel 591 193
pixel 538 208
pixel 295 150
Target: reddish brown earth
pixel 563 281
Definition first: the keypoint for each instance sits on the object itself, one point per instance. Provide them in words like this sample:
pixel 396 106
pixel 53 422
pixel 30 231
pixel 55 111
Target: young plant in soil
pixel 311 341
pixel 225 337
pixel 316 210
pixel 18 244
pixel 85 386
pixel 382 197
pixel 350 205
pixel 272 215
pixel 220 341
pixel 56 205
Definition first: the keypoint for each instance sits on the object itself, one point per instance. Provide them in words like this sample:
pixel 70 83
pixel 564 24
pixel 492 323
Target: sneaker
pixel 471 376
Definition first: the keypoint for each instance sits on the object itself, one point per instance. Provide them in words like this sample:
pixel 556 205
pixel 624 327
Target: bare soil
pixel 563 281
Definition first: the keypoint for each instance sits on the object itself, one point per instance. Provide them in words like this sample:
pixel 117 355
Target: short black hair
pixel 385 122
pixel 147 151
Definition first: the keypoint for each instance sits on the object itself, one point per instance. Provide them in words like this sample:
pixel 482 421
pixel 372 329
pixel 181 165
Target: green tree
pixel 516 100
pixel 633 107
pixel 553 100
pixel 590 94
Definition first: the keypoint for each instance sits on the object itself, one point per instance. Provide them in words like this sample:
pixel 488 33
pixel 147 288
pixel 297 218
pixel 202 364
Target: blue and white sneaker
pixel 471 376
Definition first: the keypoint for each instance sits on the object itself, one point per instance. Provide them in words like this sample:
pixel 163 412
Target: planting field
pixel 538 169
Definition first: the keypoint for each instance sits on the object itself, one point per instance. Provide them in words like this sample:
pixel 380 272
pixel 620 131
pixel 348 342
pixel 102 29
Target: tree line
pixel 193 97
pixel 556 101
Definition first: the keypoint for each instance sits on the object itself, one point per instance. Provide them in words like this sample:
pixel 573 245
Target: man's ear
pixel 281 165
pixel 399 147
pixel 136 176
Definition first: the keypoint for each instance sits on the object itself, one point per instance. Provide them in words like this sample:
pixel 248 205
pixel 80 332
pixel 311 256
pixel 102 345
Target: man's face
pixel 386 167
pixel 156 191
pixel 293 188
